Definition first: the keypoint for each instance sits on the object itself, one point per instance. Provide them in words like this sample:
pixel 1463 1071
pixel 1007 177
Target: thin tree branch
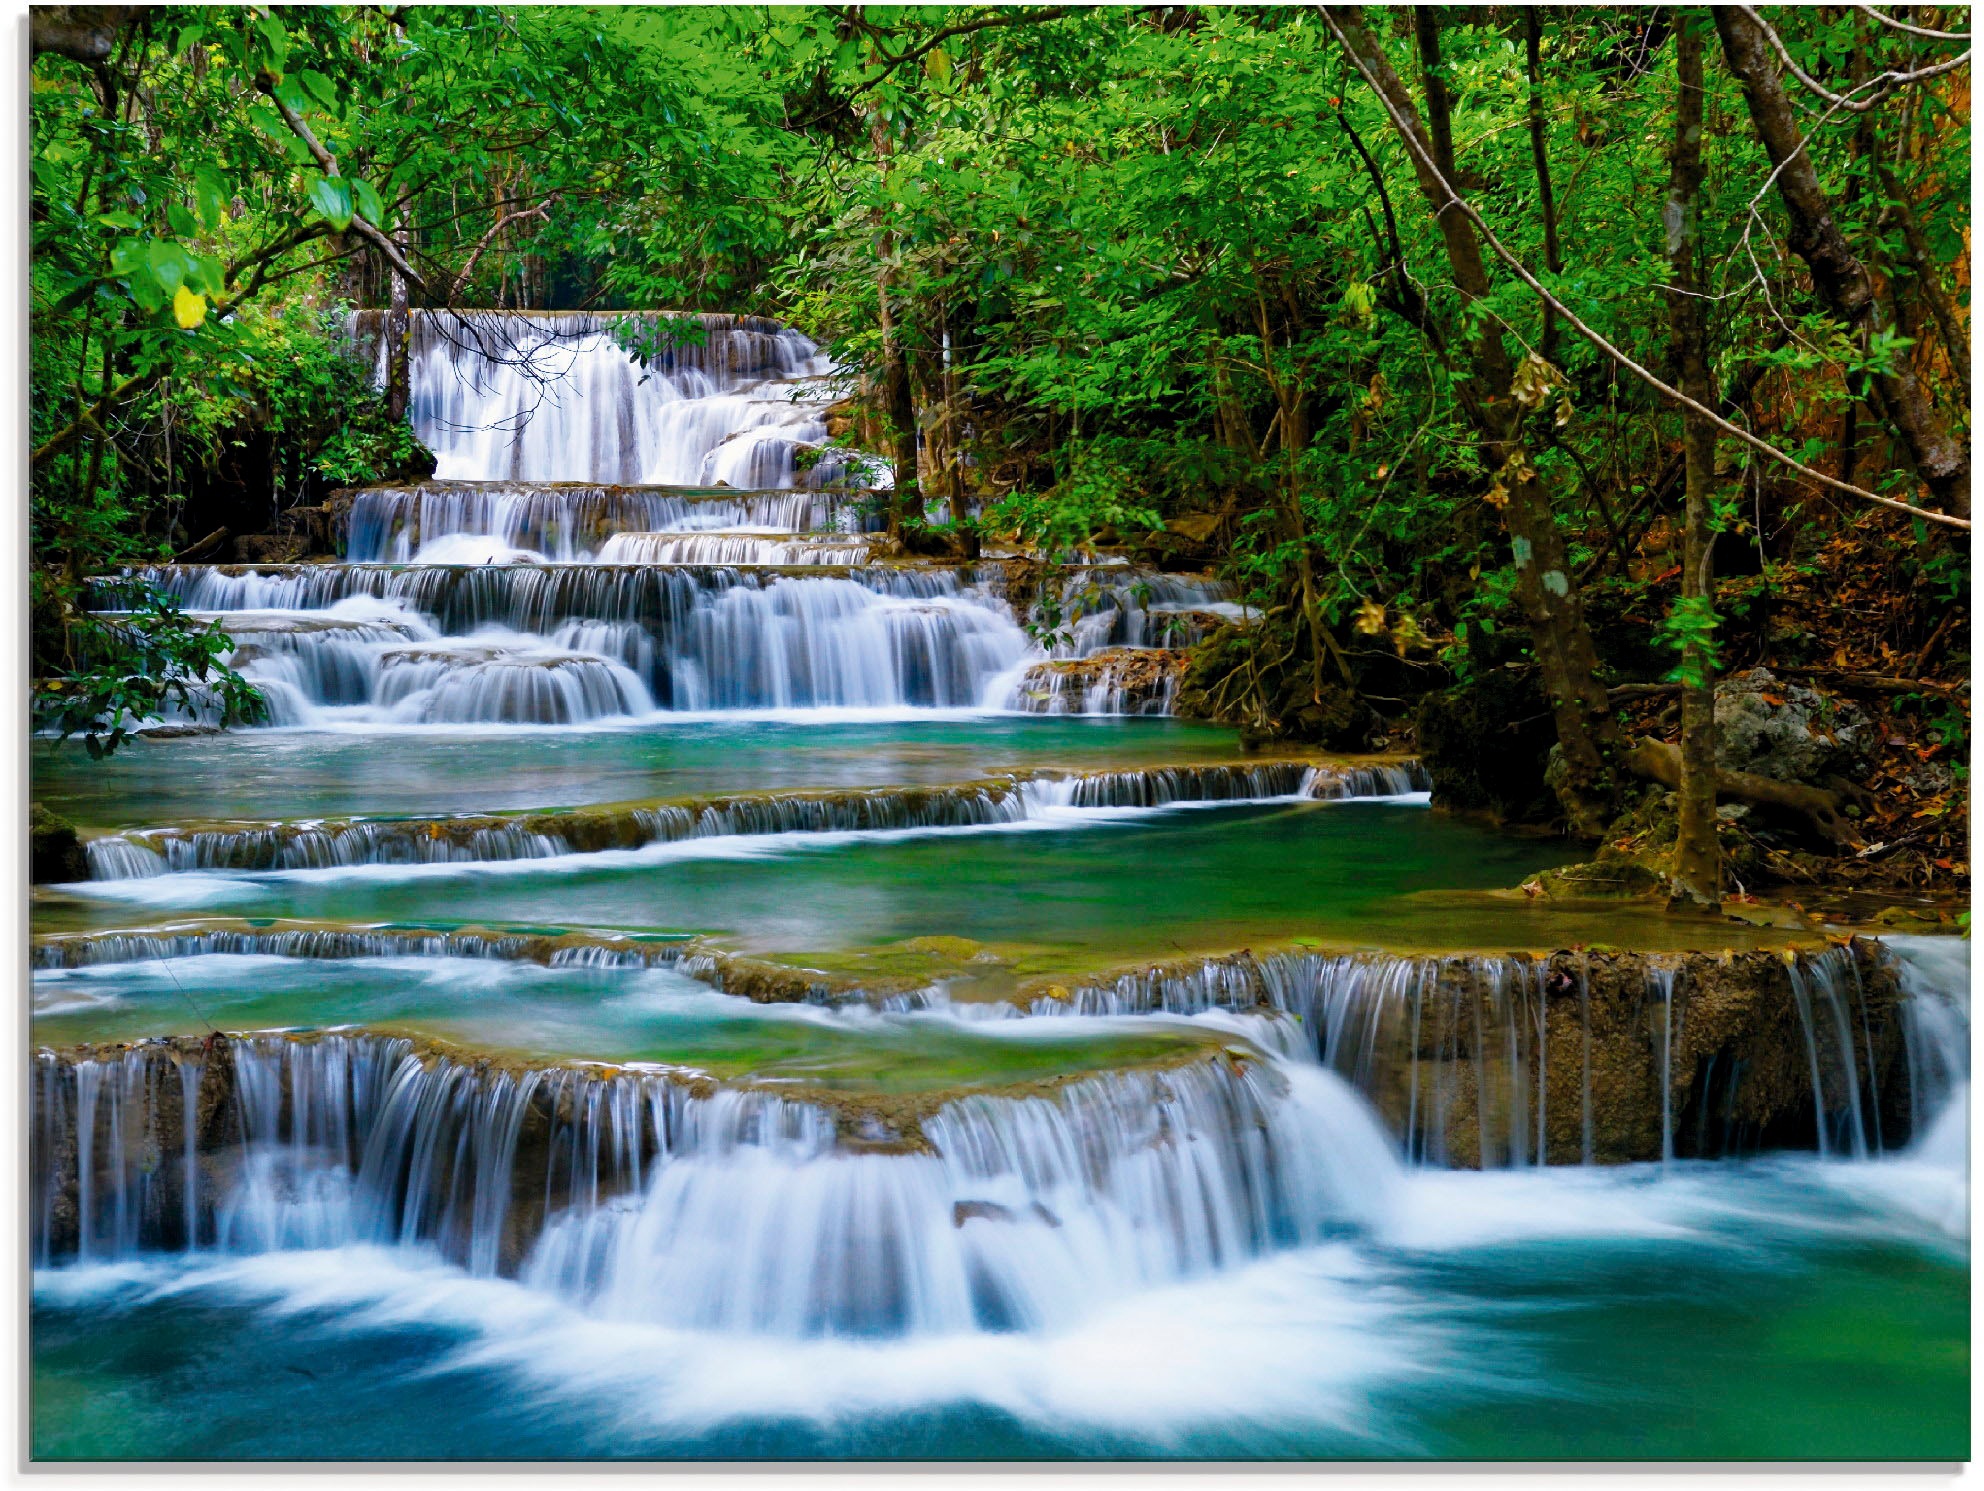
pixel 937 39
pixel 385 245
pixel 1883 83
pixel 1900 25
pixel 542 211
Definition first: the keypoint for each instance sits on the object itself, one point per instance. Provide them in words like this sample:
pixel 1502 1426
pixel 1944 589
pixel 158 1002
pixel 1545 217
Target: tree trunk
pixel 1587 735
pixel 898 404
pixel 1696 880
pixel 1920 275
pixel 1941 459
pixel 399 333
pixel 1540 155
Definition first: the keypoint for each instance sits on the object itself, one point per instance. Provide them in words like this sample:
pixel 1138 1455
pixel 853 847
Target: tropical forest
pixel 998 733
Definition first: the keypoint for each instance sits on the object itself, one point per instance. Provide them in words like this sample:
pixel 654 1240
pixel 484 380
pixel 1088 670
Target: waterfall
pixel 1935 971
pixel 567 522
pixel 484 838
pixel 575 561
pixel 1487 1061
pixel 730 548
pixel 1102 608
pixel 561 644
pixel 544 396
pixel 1115 681
pixel 98 949
pixel 643 1196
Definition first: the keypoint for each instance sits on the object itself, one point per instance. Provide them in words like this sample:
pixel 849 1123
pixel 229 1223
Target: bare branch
pixel 1900 25
pixel 541 211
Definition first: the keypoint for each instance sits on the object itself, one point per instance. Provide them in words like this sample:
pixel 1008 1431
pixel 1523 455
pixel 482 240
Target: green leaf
pixel 274 38
pixel 290 91
pixel 331 196
pixel 180 220
pixel 320 88
pixel 366 198
pixel 268 121
pixel 168 263
pixel 209 195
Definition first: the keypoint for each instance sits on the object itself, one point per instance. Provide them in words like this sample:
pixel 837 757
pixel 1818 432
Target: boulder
pixel 55 851
pixel 1784 730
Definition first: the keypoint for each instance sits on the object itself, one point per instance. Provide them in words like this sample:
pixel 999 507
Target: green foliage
pixel 1157 273
pixel 139 664
pixel 1689 628
pixel 1096 494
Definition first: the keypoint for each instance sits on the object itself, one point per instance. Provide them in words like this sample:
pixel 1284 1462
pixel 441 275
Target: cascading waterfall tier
pixel 1117 680
pixel 569 522
pixel 481 838
pixel 754 979
pixel 733 548
pixel 628 638
pixel 647 1195
pixel 1587 1057
pixel 200 940
pixel 549 396
pixel 820 631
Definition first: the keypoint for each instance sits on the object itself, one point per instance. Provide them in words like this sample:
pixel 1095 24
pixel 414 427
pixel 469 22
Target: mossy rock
pixel 55 851
pixel 1609 877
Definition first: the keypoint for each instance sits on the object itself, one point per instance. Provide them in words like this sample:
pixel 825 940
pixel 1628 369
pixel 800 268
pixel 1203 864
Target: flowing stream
pixel 673 980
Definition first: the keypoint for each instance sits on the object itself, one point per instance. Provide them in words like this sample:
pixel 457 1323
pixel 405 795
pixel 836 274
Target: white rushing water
pixel 636 1202
pixel 576 561
pixel 558 397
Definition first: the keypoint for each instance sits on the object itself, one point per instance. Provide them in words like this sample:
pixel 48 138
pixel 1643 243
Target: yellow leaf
pixel 188 309
pixel 1370 618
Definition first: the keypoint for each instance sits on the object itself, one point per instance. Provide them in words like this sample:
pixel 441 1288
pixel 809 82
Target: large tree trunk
pixel 84 33
pixel 1697 875
pixel 1587 735
pixel 1942 459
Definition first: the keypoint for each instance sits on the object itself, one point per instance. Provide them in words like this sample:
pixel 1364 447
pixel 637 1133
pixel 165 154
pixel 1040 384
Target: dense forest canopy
pixel 1531 367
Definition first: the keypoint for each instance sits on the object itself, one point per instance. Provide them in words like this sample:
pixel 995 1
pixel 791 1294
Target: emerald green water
pixel 531 1012
pixel 1782 1309
pixel 331 773
pixel 1151 884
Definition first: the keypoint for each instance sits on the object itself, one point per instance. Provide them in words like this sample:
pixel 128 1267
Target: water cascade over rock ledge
pixel 556 396
pixel 485 838
pixel 668 1198
pixel 1598 1056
